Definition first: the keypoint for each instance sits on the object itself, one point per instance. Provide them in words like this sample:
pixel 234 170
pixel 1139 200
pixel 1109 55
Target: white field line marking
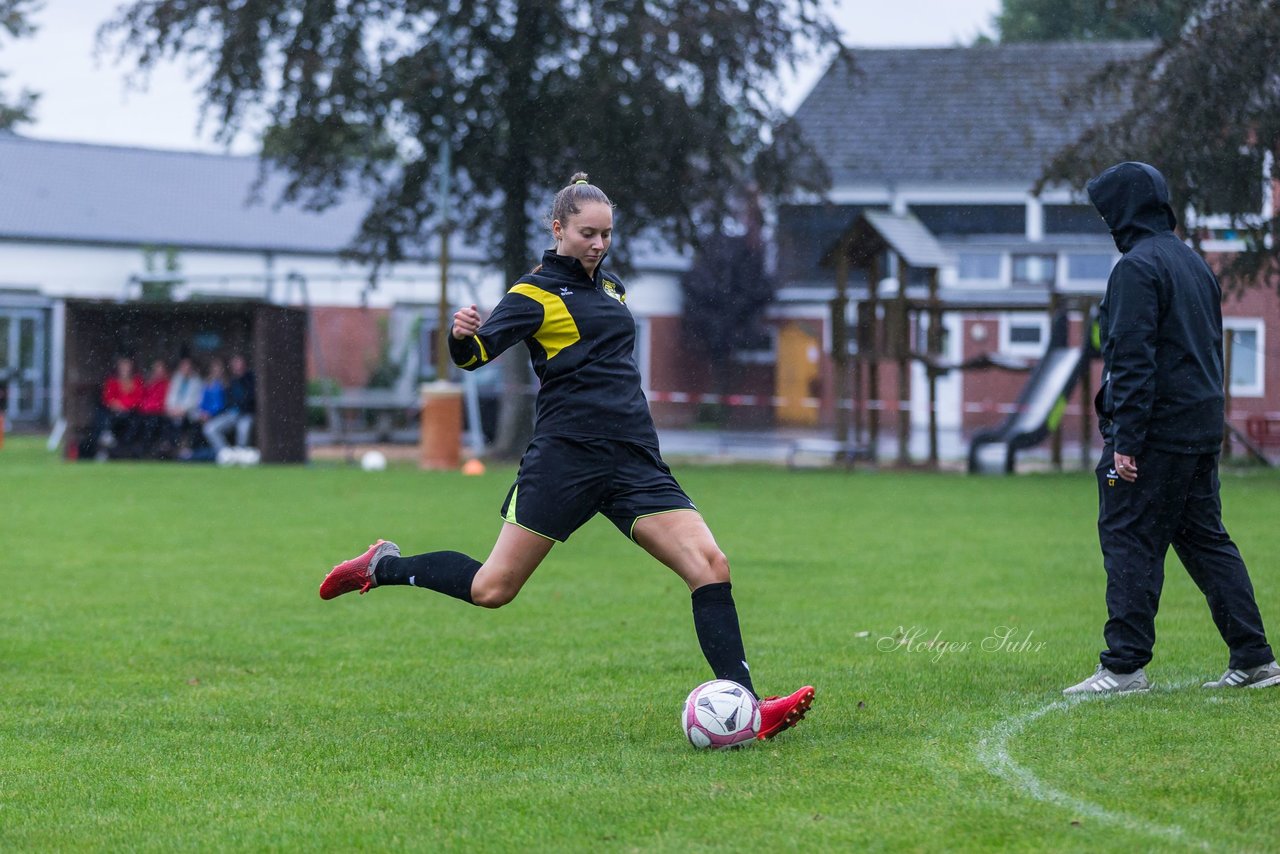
pixel 993 753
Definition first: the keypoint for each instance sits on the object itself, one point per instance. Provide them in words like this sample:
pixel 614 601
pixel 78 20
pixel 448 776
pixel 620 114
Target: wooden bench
pixel 828 449
pixel 384 405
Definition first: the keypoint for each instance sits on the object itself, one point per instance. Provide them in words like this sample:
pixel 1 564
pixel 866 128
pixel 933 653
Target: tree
pixel 1090 20
pixel 1204 108
pixel 14 21
pixel 664 102
pixel 725 294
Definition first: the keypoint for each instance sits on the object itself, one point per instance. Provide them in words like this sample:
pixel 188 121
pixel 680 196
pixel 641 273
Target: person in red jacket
pixel 118 416
pixel 122 392
pixel 151 409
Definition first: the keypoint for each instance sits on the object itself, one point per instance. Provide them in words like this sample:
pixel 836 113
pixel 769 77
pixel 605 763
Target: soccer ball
pixel 720 714
pixel 373 461
pixel 239 457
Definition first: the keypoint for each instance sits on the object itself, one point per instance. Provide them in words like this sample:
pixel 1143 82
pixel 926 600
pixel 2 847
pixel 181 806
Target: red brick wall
pixel 1264 304
pixel 677 367
pixel 990 394
pixel 986 392
pixel 345 343
pixel 673 366
pixel 349 342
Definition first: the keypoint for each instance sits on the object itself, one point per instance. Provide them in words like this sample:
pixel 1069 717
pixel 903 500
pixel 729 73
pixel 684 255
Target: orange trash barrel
pixel 440 443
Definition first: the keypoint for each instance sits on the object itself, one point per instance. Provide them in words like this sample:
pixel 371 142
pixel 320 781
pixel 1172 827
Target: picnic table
pixel 345 412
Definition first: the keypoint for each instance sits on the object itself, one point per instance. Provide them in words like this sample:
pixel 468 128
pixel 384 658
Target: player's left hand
pixel 465 322
pixel 1126 467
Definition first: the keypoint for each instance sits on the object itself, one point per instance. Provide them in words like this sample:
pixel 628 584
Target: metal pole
pixel 903 334
pixel 1229 347
pixel 443 321
pixel 1086 390
pixel 873 356
pixel 859 397
pixel 934 349
pixel 839 345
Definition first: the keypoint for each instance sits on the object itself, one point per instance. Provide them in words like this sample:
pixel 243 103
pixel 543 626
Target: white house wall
pixel 69 271
pixel 946 193
pixel 654 295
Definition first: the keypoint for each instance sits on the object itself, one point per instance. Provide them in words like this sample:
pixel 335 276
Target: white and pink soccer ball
pixel 720 714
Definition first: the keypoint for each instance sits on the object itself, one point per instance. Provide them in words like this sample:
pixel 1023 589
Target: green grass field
pixel 169 678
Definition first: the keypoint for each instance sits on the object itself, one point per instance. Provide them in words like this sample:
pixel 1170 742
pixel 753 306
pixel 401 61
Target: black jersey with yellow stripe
pixel 581 339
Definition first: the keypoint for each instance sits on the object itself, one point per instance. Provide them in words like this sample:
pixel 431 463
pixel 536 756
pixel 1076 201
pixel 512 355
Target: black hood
pixel 1134 200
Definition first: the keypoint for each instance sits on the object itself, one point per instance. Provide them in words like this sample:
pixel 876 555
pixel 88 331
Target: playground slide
pixel 1040 406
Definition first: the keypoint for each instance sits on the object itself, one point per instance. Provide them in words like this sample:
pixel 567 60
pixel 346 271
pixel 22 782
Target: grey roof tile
pixel 72 192
pixel 988 113
pixel 88 193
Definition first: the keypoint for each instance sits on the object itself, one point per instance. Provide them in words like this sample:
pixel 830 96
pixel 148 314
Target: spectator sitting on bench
pixel 151 407
pixel 241 404
pixel 117 425
pixel 181 403
pixel 213 400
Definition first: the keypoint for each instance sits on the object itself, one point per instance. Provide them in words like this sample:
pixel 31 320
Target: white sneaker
pixel 1104 681
pixel 1262 676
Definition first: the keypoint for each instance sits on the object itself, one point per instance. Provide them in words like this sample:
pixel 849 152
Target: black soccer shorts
pixel 563 481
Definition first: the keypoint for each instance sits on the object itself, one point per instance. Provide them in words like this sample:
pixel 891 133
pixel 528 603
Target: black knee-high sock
pixel 449 573
pixel 715 618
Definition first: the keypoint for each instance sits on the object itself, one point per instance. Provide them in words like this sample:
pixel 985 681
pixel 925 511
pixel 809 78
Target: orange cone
pixel 473 467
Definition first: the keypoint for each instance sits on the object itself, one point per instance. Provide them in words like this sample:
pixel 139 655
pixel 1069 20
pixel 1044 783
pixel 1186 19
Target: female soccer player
pixel 594 450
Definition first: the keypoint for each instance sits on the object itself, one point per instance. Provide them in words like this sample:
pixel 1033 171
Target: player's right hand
pixel 465 322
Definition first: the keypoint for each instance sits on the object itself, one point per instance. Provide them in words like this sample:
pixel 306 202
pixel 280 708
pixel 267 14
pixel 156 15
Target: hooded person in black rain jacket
pixel 1160 409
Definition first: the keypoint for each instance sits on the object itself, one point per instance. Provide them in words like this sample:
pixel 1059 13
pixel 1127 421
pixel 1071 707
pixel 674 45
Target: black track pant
pixel 1174 502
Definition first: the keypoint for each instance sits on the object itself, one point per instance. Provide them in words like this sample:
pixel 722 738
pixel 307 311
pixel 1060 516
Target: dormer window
pixel 978 266
pixel 1036 270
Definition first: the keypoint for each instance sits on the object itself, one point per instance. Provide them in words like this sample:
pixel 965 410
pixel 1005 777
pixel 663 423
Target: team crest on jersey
pixel 612 290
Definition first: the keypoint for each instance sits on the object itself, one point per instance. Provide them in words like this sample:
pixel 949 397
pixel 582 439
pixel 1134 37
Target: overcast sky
pixel 86 99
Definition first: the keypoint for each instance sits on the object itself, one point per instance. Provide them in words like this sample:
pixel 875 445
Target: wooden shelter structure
pixel 880 242
pixel 272 339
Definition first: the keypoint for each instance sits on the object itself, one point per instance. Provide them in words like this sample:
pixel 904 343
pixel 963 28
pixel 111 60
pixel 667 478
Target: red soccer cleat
pixel 357 573
pixel 779 713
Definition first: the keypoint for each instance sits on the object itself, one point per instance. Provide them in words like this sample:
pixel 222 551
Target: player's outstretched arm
pixel 473 344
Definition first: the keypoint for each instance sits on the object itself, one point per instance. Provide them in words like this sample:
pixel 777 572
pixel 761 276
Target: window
pixel 1073 219
pixel 1035 269
pixel 1023 335
pixel 979 266
pixel 972 219
pixel 1089 268
pixel 805 232
pixel 1223 240
pixel 1243 344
